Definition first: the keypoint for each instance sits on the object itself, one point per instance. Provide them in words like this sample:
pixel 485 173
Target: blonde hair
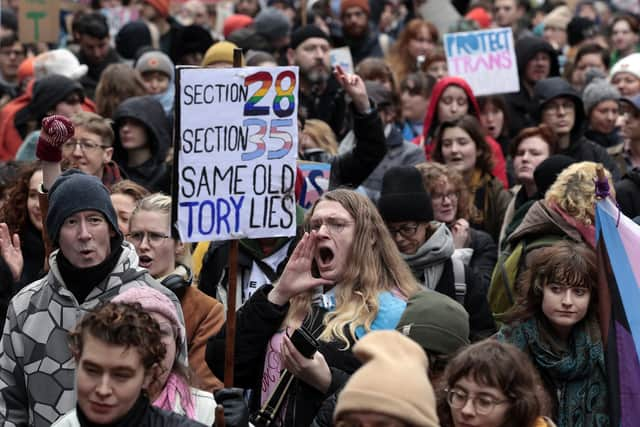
pixel 574 190
pixel 320 132
pixel 374 266
pixel 161 203
pixel 96 124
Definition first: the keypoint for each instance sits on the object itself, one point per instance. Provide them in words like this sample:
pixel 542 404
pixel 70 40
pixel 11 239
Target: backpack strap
pixel 459 280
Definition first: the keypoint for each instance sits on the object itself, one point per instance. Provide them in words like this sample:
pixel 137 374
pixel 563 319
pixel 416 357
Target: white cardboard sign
pixel 238 143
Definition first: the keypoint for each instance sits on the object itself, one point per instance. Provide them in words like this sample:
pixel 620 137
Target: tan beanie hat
pixel 392 381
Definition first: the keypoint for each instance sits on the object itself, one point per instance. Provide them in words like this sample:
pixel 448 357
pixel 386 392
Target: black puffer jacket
pixel 521 104
pixel 580 148
pixel 257 321
pixel 628 193
pixel 154 173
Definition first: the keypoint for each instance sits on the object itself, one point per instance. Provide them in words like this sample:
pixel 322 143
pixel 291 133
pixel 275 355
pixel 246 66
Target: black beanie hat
pixel 47 92
pixel 403 196
pixel 74 191
pixel 580 29
pixel 308 31
pixel 190 39
pixel 548 170
pixel 131 37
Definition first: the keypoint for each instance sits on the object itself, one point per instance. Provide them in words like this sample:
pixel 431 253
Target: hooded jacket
pixel 628 193
pixel 37 370
pixel 522 105
pixel 431 124
pixel 154 173
pixel 580 148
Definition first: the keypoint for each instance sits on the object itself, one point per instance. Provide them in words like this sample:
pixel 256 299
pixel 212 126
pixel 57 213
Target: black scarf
pixel 134 417
pixel 81 281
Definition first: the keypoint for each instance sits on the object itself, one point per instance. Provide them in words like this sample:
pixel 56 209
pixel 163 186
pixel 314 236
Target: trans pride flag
pixel 618 248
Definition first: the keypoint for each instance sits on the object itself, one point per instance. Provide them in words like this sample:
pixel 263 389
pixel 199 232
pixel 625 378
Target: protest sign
pixel 316 182
pixel 238 143
pixel 485 59
pixel 342 56
pixel 39 21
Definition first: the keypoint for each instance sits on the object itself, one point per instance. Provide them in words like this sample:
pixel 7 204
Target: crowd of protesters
pixel 447 276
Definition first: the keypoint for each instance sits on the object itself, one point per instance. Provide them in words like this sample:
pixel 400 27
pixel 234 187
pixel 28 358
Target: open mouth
pixel 145 261
pixel 86 252
pixel 326 255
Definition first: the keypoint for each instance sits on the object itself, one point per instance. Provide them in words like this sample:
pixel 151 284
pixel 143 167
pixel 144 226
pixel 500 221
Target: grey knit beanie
pixel 74 191
pixel 272 24
pixel 155 61
pixel 597 90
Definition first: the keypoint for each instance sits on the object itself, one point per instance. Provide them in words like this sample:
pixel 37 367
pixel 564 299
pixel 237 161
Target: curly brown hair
pixel 117 83
pixel 471 125
pixel 121 324
pixel 502 366
pixel 436 176
pixel 15 213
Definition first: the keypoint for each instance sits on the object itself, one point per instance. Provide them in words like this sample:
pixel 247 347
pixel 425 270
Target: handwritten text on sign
pixel 237 158
pixel 485 59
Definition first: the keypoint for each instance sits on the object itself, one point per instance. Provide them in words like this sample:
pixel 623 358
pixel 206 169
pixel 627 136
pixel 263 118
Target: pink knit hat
pixel 153 301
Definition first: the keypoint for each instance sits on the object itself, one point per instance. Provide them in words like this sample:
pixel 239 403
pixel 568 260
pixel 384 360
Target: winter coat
pixel 257 321
pixel 431 123
pixel 522 105
pixel 350 169
pixel 399 153
pixel 628 193
pixel 367 46
pixel 153 174
pixel 433 268
pixel 492 200
pixel 35 333
pixel 484 257
pixel 143 414
pixel 90 80
pixel 203 317
pixel 330 106
pixel 580 148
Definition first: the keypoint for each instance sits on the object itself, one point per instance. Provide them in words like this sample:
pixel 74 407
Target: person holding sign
pixel 348 264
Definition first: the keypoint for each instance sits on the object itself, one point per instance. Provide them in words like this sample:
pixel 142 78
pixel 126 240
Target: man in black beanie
pixel 320 93
pixel 93 264
pixel 427 246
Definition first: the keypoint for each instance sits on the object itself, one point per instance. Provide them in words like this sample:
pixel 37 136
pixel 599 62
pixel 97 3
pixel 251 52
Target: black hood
pixel 148 111
pixel 528 47
pixel 548 89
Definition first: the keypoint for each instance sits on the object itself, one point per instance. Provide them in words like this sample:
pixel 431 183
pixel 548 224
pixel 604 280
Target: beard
pixel 317 73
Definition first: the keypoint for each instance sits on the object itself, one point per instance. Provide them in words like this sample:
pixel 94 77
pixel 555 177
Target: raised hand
pixel 10 251
pixel 355 88
pixel 460 231
pixel 296 277
pixel 56 130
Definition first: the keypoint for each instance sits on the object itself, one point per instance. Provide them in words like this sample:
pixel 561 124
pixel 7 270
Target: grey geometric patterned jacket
pixel 37 370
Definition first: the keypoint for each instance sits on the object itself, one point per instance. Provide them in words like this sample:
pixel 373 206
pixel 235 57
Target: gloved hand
pixel 236 412
pixel 56 130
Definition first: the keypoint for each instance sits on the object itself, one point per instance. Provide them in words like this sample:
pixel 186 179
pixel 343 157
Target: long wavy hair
pixel 574 192
pixel 14 212
pixel 502 366
pixel 117 83
pixel 374 266
pixel 399 57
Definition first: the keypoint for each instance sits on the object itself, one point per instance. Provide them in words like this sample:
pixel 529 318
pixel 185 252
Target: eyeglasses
pixel 153 238
pixel 483 405
pixel 452 196
pixel 407 230
pixel 85 145
pixel 334 226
